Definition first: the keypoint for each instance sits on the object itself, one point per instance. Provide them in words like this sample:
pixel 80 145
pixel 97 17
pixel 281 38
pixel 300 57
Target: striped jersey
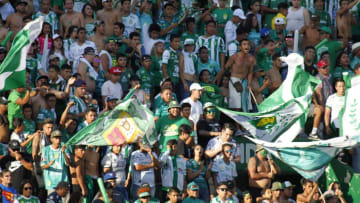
pixel 215 45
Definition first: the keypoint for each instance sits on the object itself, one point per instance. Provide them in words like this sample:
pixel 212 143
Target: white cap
pixel 288 184
pixel 355 46
pixel 279 21
pixel 189 41
pixel 105 1
pixel 239 13
pixel 195 86
pixel 56 36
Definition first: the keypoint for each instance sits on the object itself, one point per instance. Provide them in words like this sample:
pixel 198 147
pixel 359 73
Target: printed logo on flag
pixel 264 123
pixel 123 130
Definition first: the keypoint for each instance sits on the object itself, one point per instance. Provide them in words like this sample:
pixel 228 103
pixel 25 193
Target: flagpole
pixel 253 96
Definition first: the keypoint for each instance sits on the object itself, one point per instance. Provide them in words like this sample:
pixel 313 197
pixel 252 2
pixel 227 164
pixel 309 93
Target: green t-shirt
pixel 32 65
pixel 14 110
pixel 55 173
pixel 146 79
pixel 221 16
pixel 3 149
pixel 325 19
pixel 170 57
pixel 162 109
pixel 355 29
pixel 156 69
pixel 333 47
pixel 31 199
pixel 125 79
pixel 339 70
pixel 192 200
pixel 158 101
pixel 44 114
pixel 187 35
pixel 273 5
pixel 168 129
pixel 264 59
pixel 29 127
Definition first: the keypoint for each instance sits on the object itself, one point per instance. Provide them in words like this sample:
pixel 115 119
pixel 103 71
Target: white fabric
pixel 109 58
pixel 131 23
pixel 225 172
pixel 335 103
pixel 196 109
pixel 117 163
pixel 230 32
pixel 234 96
pixel 167 171
pixel 112 89
pixel 77 51
pixel 92 72
pixel 189 66
pixel 145 176
pixel 295 20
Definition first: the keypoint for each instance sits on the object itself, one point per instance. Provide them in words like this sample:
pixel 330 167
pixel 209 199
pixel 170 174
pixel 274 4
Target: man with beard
pixel 241 64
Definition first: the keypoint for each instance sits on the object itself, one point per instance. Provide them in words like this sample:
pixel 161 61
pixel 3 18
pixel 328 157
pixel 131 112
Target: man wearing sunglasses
pixel 221 194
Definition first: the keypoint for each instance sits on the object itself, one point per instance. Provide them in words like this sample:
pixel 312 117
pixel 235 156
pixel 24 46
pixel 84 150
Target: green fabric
pixel 167 129
pixel 339 70
pixel 162 109
pixel 355 29
pixel 29 127
pixel 156 69
pixel 32 65
pixel 325 19
pixel 5 41
pixel 195 167
pixel 263 59
pixel 192 200
pixel 44 114
pixel 333 47
pixel 172 66
pixel 3 149
pixel 212 94
pixel 174 163
pixel 125 79
pixel 146 79
pixel 221 16
pixel 31 199
pixel 187 35
pixel 273 5
pixel 14 110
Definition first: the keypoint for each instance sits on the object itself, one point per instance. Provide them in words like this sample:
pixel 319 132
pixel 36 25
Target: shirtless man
pixel 311 32
pixel 38 101
pixel 77 170
pixel 274 73
pixel 99 38
pixel 15 21
pixel 261 171
pixel 309 188
pixel 86 70
pixel 70 17
pixel 109 16
pixel 344 19
pixel 241 64
pixel 92 162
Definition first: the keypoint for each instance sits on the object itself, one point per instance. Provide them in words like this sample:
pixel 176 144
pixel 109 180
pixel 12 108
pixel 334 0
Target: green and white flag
pixel 350 115
pixel 128 122
pixel 12 69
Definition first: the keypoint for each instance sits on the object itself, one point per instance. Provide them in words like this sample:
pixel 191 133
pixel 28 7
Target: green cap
pixel 326 29
pixel 56 133
pixel 144 194
pixel 192 186
pixel 173 104
pixel 277 186
pixel 110 39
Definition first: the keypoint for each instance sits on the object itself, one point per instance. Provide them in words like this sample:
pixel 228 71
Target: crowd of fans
pixel 182 58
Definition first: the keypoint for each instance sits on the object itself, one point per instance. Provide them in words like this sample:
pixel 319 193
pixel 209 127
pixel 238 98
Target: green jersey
pixel 32 64
pixel 264 59
pixel 55 173
pixel 170 57
pixel 158 101
pixel 355 28
pixel 146 79
pixel 325 19
pixel 221 16
pixel 164 24
pixel 187 35
pixel 79 106
pixel 168 129
pixel 125 79
pixel 156 63
pixel 31 199
pixel 339 70
pixel 29 127
pixel 44 114
pixel 215 45
pixel 162 110
pixel 14 110
pixel 50 18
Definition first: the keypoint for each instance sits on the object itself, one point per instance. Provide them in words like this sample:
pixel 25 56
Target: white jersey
pixel 117 164
pixel 112 89
pixel 189 62
pixel 145 176
pixel 295 20
pixel 76 51
pixel 169 171
pixel 214 44
pixel 230 32
pixel 335 103
pixel 131 23
pixel 216 143
pixel 224 172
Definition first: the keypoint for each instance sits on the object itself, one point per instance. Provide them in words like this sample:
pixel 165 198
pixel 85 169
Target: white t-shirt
pixel 335 103
pixel 76 51
pixel 230 32
pixel 112 89
pixel 131 23
pixel 145 176
pixel 225 172
pixel 196 109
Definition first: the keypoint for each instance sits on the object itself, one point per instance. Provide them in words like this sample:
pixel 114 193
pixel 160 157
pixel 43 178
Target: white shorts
pixel 234 96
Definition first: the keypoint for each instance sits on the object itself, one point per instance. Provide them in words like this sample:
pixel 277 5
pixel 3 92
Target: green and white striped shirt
pixel 218 200
pixel 51 18
pixel 215 45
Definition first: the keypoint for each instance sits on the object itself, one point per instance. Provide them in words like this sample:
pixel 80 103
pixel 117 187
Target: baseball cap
pixel 53 56
pixel 21 2
pixel 109 176
pixel 322 63
pixel 325 29
pixel 279 21
pixel 207 105
pixel 277 186
pixel 14 145
pixel 3 100
pixel 80 83
pixel 42 77
pixel 239 13
pixel 105 1
pixel 3 49
pixel 110 39
pixel 188 42
pixel 111 98
pixel 288 184
pixel 315 17
pixel 264 32
pixel 56 133
pixel 89 51
pixel 355 46
pixel 195 86
pixel 258 148
pixel 144 194
pixel 192 186
pixel 145 57
pixel 164 80
pixel 62 184
pixel 56 36
pixel 115 70
pixel 173 104
pixel 328 194
pixel 289 35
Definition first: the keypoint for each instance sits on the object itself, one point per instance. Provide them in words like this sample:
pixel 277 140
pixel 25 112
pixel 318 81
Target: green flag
pixel 12 69
pixel 128 122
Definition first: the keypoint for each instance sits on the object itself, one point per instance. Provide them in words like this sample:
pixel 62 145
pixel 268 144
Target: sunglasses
pixel 223 189
pixel 324 67
pixel 210 111
pixel 229 151
pixel 27 188
pixel 147 197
